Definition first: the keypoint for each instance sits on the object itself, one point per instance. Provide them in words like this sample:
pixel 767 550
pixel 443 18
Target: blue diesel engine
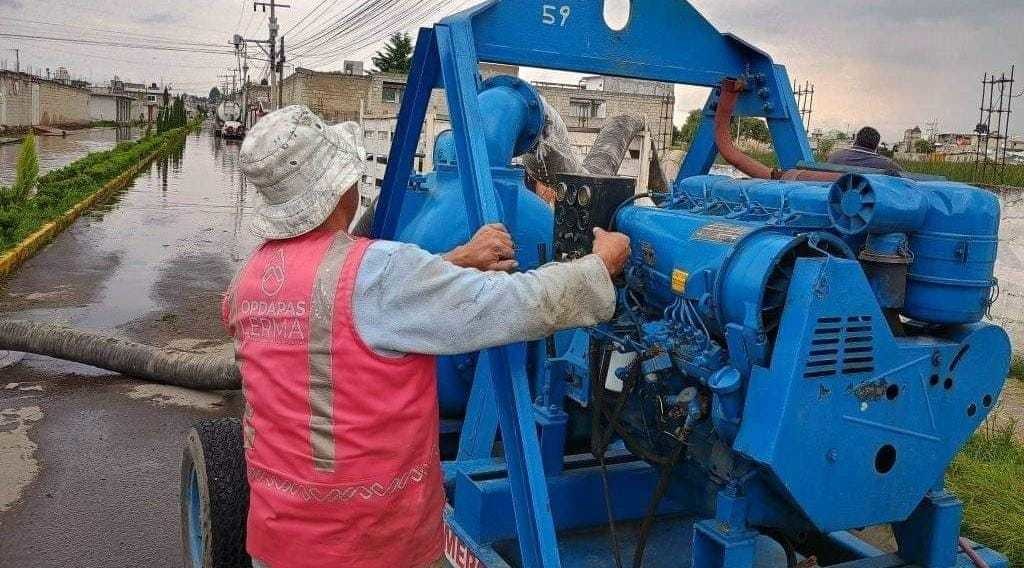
pixel 788 358
pixel 825 338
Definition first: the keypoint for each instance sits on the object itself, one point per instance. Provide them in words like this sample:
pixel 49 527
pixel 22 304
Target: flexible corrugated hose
pixel 165 366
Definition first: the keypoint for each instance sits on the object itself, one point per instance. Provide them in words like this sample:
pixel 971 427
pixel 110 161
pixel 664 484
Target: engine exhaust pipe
pixel 731 89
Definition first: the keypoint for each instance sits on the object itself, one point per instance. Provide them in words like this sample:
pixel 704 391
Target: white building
pixel 378 133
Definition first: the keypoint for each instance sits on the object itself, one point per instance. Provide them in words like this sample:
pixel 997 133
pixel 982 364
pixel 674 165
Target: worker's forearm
pixel 560 296
pixel 422 304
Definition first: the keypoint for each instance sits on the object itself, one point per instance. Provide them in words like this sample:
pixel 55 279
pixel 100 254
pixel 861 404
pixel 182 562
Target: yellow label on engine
pixel 679 281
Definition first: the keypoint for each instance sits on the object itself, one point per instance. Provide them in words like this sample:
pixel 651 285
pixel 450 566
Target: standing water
pixel 91 460
pixel 58 151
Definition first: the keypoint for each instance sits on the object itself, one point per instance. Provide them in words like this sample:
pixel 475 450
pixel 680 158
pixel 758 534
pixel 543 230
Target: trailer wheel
pixel 214 495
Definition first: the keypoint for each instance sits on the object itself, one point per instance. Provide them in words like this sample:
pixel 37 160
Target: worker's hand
pixel 490 249
pixel 613 248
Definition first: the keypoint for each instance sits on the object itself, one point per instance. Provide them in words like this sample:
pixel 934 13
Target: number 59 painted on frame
pixel 550 15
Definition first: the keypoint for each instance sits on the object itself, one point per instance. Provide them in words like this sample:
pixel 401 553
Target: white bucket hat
pixel 302 167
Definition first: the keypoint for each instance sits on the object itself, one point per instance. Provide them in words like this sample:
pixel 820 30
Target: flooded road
pixel 58 151
pixel 91 459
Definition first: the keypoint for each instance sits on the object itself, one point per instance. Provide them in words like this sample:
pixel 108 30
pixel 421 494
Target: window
pixel 382 159
pixel 634 154
pixel 369 157
pixel 586 108
pixel 382 136
pixel 365 201
pixel 151 98
pixel 392 92
pixel 368 134
pixel 378 182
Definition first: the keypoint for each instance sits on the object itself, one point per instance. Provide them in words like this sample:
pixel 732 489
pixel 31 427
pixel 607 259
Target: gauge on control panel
pixel 584 195
pixel 560 191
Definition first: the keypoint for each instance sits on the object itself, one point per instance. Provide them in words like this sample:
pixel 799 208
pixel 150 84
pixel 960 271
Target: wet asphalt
pixel 89 461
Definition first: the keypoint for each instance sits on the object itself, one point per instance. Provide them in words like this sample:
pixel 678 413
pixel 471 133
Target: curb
pixel 12 259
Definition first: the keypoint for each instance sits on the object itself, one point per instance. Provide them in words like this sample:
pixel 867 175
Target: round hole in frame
pixel 892 391
pixel 885 459
pixel 972 409
pixel 617 14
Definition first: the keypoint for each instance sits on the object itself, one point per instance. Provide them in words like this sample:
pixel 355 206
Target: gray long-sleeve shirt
pixel 863 158
pixel 407 300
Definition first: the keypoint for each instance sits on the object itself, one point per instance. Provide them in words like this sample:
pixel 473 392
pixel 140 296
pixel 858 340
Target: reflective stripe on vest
pixel 321 378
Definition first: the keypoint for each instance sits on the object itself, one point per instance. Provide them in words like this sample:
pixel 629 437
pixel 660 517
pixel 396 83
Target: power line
pixel 183 48
pixel 305 16
pixel 364 40
pixel 112 31
pixel 385 13
pixel 359 42
pixel 161 62
pixel 339 22
pixel 241 14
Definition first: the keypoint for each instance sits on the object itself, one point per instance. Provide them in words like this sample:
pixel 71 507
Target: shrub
pixel 26 170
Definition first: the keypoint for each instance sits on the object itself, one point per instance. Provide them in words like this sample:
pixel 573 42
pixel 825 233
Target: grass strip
pixel 61 189
pixel 1017 368
pixel 988 476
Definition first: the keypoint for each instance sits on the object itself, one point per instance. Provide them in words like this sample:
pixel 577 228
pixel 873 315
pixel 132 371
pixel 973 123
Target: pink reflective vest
pixel 341 442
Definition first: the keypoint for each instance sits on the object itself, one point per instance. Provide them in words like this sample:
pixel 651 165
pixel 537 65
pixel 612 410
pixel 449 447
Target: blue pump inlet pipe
pixel 513 118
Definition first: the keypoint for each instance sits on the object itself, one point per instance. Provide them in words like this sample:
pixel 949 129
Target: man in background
pixel 864 153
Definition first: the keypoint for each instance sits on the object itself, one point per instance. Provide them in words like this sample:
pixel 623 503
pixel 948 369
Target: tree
pixel 689 129
pixel 922 146
pixel 215 95
pixel 824 149
pixel 754 129
pixel 396 57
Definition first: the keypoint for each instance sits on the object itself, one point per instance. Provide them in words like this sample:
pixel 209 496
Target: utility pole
pixel 272 42
pixel 280 75
pixel 224 82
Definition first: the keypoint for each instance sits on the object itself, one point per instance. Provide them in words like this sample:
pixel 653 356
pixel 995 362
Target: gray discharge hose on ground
pixel 164 366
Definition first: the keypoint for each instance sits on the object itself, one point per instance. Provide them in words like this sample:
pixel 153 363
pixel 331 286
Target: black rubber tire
pixel 213 448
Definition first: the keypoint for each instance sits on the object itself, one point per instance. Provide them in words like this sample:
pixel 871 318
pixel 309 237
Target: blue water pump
pixel 789 361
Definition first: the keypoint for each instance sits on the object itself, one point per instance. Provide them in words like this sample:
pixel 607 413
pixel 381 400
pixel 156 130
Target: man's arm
pixel 409 301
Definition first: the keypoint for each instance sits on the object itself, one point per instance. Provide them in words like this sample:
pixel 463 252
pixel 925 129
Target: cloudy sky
pixel 893 64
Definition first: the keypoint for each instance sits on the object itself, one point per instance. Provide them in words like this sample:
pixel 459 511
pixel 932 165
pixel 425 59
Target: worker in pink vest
pixel 336 337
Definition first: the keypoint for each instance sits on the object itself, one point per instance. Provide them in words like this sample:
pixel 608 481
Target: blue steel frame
pixel 662 41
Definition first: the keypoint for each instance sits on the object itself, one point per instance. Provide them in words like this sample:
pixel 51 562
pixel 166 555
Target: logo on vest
pixel 272 318
pixel 274 275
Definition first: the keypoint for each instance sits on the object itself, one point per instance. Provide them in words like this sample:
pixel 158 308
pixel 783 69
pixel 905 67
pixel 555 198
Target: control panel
pixel 583 202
